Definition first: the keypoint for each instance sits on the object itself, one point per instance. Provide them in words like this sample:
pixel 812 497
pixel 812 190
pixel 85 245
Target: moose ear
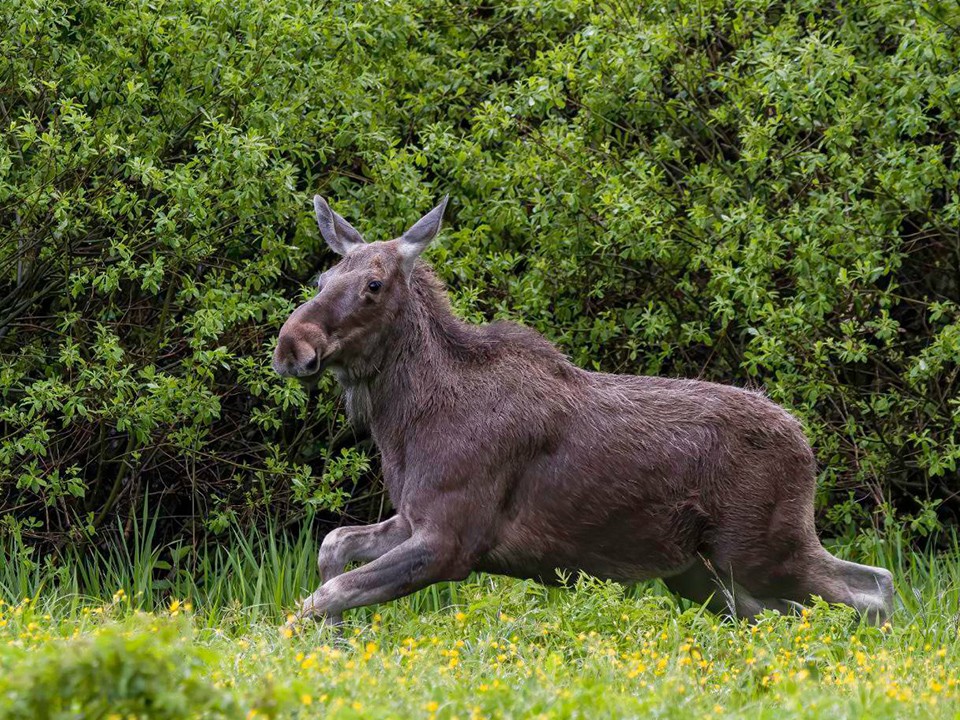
pixel 415 240
pixel 339 234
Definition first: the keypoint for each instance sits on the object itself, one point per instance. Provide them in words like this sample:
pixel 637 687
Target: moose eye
pixel 375 285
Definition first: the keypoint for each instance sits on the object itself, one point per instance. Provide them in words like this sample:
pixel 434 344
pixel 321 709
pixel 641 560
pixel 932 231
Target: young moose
pixel 500 455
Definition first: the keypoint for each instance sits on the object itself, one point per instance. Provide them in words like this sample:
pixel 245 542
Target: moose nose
pixel 295 358
pixel 311 366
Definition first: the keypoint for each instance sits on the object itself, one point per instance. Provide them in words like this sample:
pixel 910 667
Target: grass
pixel 150 635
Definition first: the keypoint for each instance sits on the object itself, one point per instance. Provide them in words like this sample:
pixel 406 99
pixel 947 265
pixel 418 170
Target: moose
pixel 500 455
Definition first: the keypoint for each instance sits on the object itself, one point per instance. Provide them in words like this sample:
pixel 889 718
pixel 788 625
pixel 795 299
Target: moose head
pixel 356 299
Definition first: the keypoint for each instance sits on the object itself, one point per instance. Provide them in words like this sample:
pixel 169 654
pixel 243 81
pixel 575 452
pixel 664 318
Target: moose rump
pixel 501 455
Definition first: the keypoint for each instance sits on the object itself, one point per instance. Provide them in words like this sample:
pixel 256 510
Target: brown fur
pixel 500 455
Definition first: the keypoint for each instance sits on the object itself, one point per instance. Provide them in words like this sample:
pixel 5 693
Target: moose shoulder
pixel 500 455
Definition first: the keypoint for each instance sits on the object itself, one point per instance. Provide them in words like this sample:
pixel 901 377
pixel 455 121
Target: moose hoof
pixel 295 624
pixel 291 627
pixel 333 621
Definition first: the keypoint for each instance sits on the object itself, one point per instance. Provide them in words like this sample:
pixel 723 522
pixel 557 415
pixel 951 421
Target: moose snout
pixel 295 355
pixel 293 358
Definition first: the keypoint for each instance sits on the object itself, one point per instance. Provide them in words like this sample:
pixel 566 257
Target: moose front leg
pixel 364 543
pixel 419 561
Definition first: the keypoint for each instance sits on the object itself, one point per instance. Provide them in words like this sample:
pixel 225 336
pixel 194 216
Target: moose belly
pixel 607 513
pixel 628 545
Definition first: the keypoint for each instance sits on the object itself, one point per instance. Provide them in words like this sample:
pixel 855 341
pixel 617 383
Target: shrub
pixel 146 667
pixel 757 193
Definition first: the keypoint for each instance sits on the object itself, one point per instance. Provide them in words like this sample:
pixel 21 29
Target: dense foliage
pixel 762 193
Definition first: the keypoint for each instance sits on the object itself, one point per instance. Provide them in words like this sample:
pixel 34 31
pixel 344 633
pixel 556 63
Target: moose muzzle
pixel 300 347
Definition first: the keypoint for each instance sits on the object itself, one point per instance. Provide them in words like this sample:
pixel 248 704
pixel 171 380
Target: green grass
pixel 202 638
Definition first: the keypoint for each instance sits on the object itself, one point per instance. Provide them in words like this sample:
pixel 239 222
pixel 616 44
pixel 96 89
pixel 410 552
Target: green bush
pixel 757 193
pixel 146 667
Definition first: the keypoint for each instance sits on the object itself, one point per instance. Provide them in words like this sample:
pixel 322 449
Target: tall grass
pixel 261 576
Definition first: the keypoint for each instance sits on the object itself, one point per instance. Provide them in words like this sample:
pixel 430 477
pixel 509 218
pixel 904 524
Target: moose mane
pixel 471 343
pixel 429 343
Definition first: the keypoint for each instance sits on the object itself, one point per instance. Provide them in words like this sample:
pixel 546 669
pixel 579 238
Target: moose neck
pixel 386 390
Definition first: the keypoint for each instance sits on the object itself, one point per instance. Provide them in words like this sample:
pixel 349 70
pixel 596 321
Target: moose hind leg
pixel 869 590
pixel 815 571
pixel 722 596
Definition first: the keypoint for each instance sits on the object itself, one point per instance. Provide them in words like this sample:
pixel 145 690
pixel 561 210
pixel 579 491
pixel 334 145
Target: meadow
pixel 210 643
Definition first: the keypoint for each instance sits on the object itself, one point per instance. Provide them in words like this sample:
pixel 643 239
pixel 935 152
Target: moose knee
pixel 329 560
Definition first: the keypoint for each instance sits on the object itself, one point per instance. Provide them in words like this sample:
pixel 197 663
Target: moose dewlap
pixel 500 455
